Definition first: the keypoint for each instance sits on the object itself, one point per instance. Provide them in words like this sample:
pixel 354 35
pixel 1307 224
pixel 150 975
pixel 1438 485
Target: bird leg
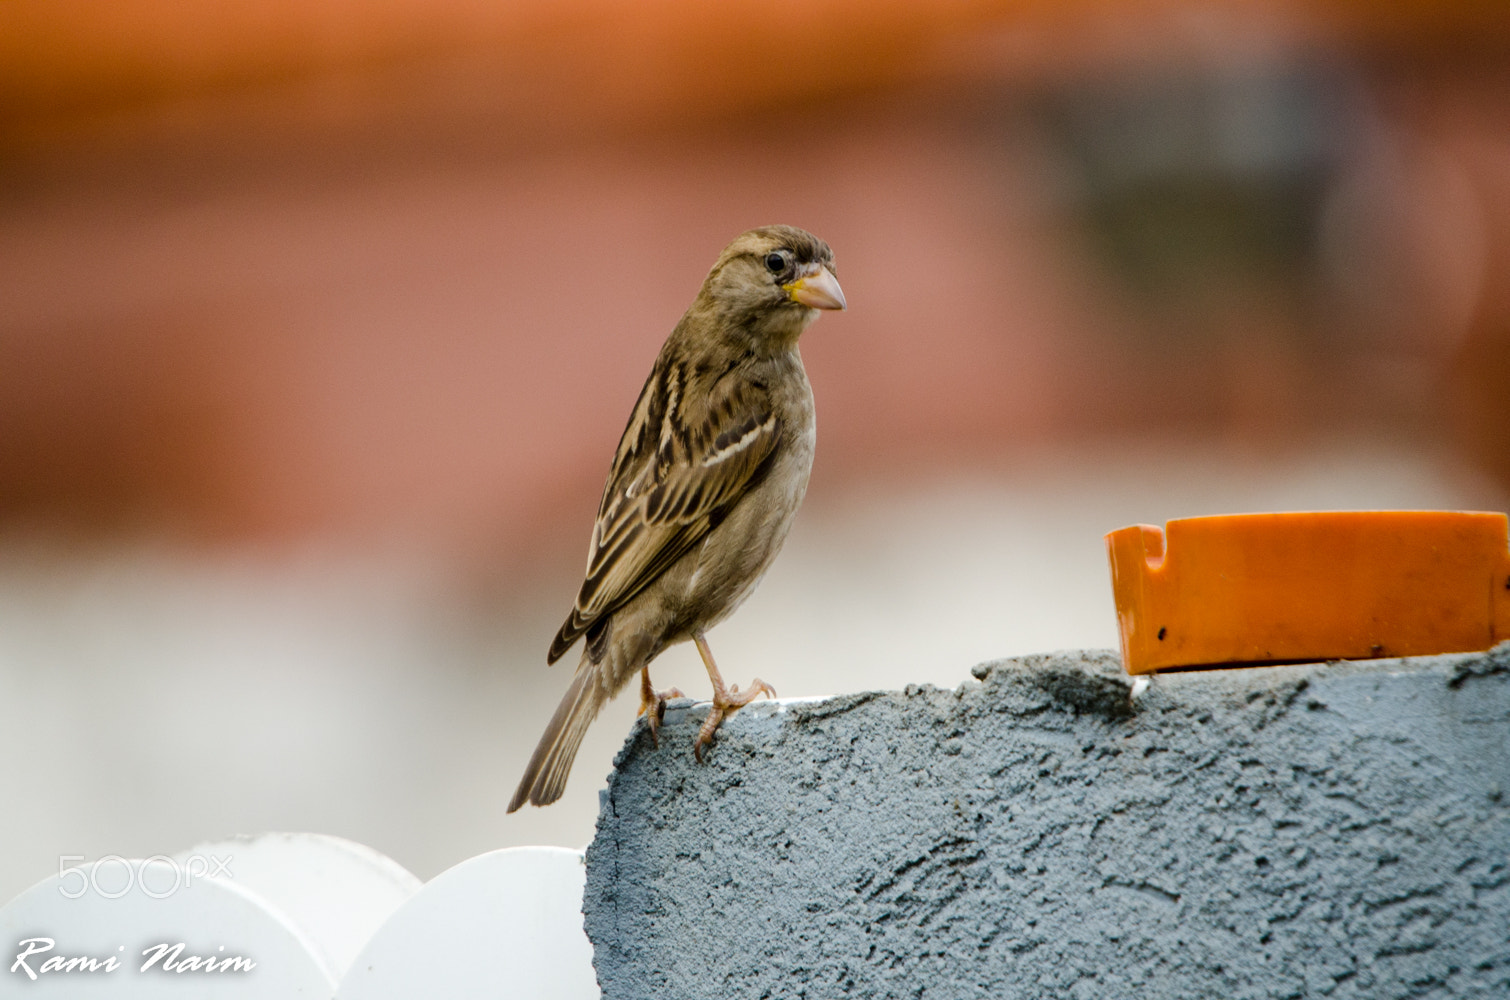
pixel 653 705
pixel 725 700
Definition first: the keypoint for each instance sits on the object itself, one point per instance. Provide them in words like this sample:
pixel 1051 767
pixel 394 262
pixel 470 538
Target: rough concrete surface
pixel 1051 830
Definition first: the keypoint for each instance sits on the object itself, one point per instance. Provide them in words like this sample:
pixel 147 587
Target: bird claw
pixel 653 708
pixel 723 704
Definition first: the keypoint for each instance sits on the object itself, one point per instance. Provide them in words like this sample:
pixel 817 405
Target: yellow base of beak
pixel 817 290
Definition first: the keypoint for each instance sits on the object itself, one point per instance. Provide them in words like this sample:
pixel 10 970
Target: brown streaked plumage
pixel 707 478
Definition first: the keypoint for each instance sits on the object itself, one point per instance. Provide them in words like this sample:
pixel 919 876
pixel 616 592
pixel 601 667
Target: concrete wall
pixel 1051 830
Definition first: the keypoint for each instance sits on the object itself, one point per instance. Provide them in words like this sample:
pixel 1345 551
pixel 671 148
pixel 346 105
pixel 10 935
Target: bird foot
pixel 725 702
pixel 653 706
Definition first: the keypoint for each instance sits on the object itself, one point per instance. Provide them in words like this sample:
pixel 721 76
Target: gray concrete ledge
pixel 1051 830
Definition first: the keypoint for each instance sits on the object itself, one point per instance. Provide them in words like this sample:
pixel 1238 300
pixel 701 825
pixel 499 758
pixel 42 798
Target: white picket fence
pixel 301 915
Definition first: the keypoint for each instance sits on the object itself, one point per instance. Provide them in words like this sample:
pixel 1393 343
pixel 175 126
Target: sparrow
pixel 703 488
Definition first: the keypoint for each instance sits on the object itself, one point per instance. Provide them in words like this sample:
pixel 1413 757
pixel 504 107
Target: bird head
pixel 770 283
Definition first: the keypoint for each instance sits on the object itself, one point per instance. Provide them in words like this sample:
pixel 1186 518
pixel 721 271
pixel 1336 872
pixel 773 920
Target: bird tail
pixel 545 776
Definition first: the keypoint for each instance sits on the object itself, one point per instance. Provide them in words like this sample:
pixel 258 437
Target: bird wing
pixel 684 461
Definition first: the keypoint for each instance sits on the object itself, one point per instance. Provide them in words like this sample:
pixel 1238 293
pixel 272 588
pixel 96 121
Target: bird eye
pixel 775 262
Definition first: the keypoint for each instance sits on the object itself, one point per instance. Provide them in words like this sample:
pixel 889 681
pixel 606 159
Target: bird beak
pixel 817 289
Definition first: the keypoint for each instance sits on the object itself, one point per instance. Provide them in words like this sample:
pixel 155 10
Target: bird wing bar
pixel 642 535
pixel 669 488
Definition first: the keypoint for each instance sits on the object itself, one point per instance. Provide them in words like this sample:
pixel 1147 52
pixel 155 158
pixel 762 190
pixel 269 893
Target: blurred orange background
pixel 372 287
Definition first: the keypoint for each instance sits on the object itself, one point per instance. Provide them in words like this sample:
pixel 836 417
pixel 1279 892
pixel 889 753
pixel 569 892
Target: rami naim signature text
pixel 157 958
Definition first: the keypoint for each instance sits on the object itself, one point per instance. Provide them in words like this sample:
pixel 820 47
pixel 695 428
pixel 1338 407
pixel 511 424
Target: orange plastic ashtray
pixel 1249 589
